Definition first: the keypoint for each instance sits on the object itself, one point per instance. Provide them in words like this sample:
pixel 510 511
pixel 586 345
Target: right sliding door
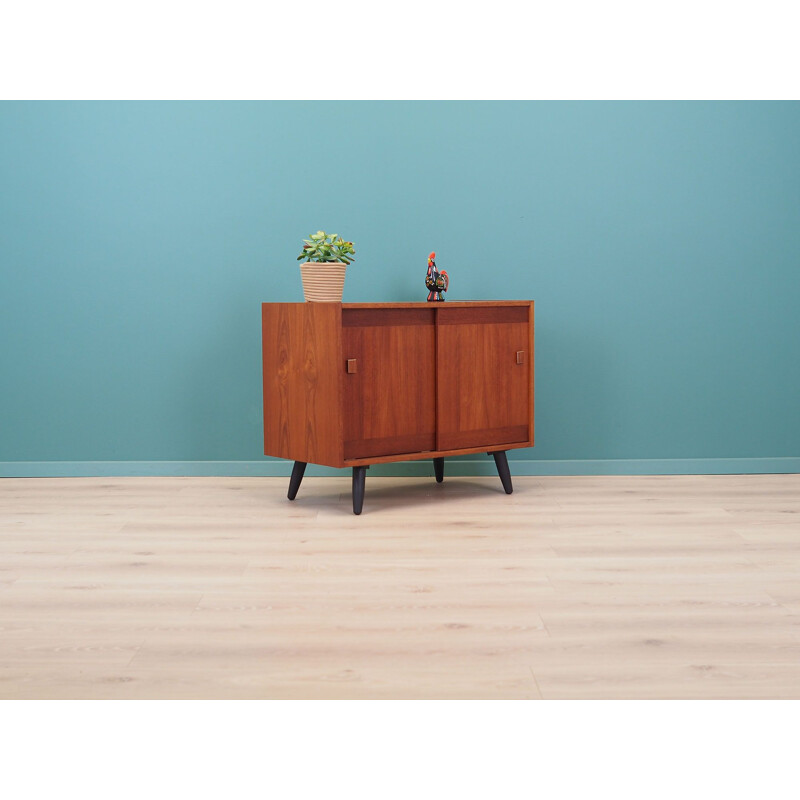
pixel 484 376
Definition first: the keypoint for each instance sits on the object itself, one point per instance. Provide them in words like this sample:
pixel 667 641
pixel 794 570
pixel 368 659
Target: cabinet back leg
pixel 501 462
pixel 438 469
pixel 359 476
pixel 297 476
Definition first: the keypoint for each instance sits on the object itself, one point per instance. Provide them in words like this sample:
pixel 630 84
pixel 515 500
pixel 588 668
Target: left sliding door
pixel 389 381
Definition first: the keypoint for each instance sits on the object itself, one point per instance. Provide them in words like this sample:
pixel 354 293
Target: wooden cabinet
pixel 353 384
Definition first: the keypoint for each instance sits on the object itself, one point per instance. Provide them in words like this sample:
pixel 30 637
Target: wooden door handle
pixel 352 366
pixel 520 356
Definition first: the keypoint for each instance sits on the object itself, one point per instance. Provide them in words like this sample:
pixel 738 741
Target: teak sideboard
pixel 354 384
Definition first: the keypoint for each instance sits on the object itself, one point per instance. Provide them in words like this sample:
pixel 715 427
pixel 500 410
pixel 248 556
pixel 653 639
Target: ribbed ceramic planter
pixel 323 283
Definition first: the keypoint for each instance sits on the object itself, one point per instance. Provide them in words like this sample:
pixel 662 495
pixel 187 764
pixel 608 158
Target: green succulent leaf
pixel 326 248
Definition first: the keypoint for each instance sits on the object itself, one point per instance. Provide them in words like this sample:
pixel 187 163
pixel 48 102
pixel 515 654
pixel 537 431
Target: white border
pixel 383 749
pixel 573 49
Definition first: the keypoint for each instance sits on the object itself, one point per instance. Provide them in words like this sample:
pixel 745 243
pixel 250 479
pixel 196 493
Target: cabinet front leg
pixel 438 469
pixel 359 476
pixel 501 462
pixel 297 476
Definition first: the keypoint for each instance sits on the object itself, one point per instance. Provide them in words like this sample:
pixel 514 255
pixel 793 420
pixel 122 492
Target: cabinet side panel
pixel 301 348
pixel 532 376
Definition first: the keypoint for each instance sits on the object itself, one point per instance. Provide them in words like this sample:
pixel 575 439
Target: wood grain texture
pixel 447 304
pixel 531 370
pixel 393 315
pixel 491 438
pixel 479 314
pixel 301 351
pixel 455 452
pixel 390 403
pixel 481 387
pixel 598 587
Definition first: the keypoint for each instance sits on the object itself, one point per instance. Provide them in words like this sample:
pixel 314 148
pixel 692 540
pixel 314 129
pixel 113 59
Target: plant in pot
pixel 326 258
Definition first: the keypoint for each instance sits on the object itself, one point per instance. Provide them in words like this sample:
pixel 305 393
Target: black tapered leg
pixel 297 476
pixel 438 469
pixel 501 462
pixel 359 475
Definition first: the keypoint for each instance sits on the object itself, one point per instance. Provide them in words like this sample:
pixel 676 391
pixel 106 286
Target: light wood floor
pixel 612 587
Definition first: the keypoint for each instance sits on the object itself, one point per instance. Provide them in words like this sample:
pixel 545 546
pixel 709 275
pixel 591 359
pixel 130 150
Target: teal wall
pixel 661 242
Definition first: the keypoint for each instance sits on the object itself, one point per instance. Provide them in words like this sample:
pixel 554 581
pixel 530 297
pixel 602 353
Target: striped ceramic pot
pixel 323 282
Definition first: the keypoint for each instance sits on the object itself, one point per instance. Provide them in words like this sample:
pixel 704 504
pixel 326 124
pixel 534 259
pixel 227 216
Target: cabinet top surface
pixel 423 304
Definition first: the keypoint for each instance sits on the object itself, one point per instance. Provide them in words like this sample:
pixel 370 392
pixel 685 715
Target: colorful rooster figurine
pixel 437 282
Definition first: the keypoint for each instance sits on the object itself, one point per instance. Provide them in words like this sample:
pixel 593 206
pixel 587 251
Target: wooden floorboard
pixel 572 587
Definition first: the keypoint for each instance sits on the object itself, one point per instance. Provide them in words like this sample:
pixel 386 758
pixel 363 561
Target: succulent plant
pixel 324 247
